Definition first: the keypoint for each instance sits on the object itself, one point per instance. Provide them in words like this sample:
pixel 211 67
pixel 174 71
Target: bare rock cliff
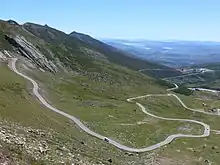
pixel 27 49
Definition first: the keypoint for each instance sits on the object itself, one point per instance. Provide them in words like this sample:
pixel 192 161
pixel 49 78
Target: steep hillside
pixel 81 114
pixel 114 54
pixel 75 51
pixel 81 79
pixel 87 47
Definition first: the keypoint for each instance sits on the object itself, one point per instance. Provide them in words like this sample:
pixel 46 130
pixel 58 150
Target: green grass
pixel 103 107
pixel 149 133
pixel 169 107
pixel 18 106
pixel 198 98
pixel 194 151
pixel 97 96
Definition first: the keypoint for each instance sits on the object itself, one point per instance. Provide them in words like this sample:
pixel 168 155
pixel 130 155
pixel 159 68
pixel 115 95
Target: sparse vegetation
pixel 184 90
pixel 192 148
pixel 164 83
pixel 94 88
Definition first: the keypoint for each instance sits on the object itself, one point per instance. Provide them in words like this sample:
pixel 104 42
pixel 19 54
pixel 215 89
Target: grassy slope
pixel 20 107
pixel 193 149
pixel 67 92
pixel 104 108
pixel 98 98
pixel 200 97
pixel 115 55
pixel 71 46
pixel 159 106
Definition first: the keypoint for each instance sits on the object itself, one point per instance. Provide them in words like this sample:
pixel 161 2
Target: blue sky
pixel 130 19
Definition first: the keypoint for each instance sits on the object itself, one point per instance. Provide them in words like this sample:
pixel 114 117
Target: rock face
pixel 28 50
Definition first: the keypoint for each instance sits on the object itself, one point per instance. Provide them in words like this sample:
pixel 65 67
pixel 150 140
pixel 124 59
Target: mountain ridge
pixel 85 78
pixel 90 81
pixel 75 46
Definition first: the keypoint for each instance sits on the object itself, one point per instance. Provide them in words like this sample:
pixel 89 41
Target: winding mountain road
pixel 174 88
pixel 12 65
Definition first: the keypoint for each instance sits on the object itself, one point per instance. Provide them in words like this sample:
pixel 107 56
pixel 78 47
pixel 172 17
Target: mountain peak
pixel 12 22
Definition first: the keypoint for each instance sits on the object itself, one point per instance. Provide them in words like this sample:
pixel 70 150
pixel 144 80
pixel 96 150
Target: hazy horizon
pixel 150 20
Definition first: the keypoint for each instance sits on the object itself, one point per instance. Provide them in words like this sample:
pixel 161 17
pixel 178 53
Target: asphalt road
pixel 12 65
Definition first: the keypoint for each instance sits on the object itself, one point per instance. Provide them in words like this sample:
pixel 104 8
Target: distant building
pixel 195 70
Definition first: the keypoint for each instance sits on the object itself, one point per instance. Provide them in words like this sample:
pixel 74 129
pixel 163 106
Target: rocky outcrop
pixel 38 144
pixel 28 50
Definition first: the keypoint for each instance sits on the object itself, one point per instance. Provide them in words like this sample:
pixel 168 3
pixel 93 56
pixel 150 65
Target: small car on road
pixel 106 140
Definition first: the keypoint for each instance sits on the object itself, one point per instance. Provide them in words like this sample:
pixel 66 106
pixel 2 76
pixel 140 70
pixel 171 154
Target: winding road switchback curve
pixel 12 65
